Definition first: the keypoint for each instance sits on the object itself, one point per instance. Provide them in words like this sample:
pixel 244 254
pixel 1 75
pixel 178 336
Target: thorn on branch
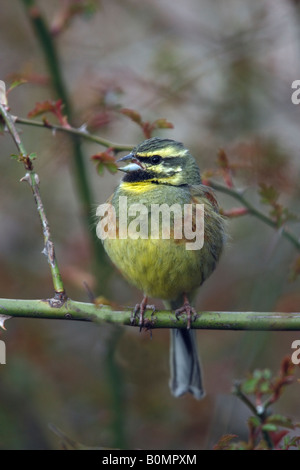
pixel 90 294
pixel 26 179
pixel 3 97
pixel 3 319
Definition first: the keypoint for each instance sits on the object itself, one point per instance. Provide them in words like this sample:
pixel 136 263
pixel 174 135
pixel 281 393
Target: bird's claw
pixel 141 308
pixel 189 311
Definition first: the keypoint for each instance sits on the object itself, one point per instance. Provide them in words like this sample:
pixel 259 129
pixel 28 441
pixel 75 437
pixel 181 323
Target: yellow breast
pixel 159 268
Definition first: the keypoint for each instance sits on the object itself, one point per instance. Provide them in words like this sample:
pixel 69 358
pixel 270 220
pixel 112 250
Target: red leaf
pixel 146 126
pixel 104 157
pixel 226 169
pixel 235 212
pixel 99 119
pixel 147 129
pixel 48 106
pixel 277 436
pixel 287 367
pixel 223 159
pixel 106 160
pixel 40 108
pixel 133 115
pixel 224 442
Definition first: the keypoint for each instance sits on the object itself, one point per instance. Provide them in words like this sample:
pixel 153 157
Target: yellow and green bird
pixel 163 172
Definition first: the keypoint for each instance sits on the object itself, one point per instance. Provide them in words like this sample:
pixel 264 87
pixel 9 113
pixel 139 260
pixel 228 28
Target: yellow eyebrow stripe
pixel 164 153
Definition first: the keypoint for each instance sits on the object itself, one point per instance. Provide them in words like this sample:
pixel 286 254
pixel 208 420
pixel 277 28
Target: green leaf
pixel 112 167
pixel 254 421
pixel 289 441
pixel 100 168
pixel 16 83
pixel 267 374
pixel 264 387
pixel 250 385
pixel 162 123
pixel 269 427
pixel 269 194
pixel 280 420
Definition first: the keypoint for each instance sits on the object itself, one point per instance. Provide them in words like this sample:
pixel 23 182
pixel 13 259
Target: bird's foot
pixel 140 309
pixel 188 310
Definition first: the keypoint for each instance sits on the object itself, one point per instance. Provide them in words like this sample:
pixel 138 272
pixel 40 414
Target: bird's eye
pixel 155 159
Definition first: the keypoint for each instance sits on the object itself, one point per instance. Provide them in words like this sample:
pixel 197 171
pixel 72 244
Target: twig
pixel 81 132
pixel 237 390
pixel 32 178
pixel 255 212
pixel 259 412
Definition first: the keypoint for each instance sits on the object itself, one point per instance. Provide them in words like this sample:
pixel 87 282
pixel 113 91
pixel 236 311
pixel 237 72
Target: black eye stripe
pixel 167 161
pixel 149 159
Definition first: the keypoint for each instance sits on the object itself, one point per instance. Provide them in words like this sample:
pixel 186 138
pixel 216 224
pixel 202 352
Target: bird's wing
pixel 200 191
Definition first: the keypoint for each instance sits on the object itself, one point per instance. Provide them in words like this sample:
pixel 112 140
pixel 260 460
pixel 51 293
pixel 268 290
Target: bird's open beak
pixel 134 164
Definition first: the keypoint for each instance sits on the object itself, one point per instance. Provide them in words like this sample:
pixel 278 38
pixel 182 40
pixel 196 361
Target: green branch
pixel 255 212
pixel 80 311
pixel 81 132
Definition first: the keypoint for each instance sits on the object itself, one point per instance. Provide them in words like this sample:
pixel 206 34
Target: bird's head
pixel 160 161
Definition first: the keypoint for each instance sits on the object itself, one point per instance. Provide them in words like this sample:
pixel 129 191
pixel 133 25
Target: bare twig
pixel 251 210
pixel 79 132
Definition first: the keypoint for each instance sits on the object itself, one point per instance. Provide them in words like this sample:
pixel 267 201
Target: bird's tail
pixel 184 362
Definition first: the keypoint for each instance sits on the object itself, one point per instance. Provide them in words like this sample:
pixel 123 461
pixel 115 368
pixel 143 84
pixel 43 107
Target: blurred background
pixel 221 73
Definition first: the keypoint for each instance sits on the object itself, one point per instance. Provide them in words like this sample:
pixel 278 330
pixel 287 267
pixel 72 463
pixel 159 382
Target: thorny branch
pixel 32 178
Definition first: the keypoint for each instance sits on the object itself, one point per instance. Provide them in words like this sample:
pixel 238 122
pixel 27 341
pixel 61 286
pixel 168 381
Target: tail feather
pixel 184 363
pixel 185 366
